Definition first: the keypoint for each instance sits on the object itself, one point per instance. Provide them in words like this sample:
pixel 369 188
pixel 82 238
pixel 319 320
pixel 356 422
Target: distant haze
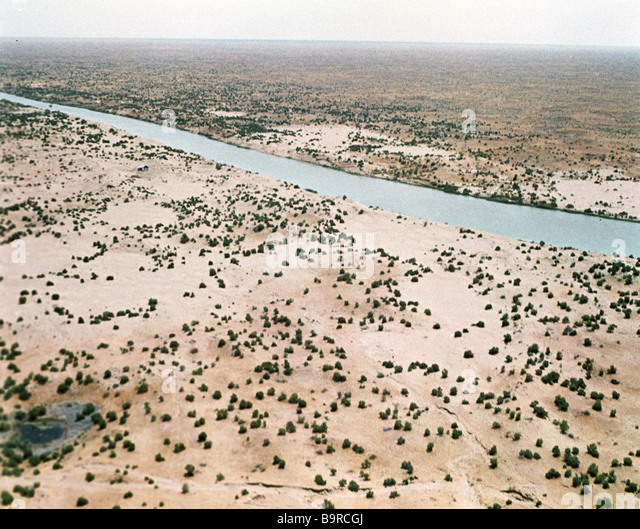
pixel 572 22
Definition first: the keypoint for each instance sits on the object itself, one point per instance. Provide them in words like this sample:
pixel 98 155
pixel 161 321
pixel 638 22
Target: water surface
pixel 41 434
pixel 558 228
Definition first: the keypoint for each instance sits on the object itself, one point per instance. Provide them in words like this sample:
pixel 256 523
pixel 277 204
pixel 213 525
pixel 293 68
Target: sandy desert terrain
pixel 455 369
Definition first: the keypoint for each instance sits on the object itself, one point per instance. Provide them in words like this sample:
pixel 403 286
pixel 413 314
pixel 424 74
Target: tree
pixel 6 498
pixel 561 403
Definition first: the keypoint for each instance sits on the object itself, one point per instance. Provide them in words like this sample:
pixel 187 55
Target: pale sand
pixel 453 304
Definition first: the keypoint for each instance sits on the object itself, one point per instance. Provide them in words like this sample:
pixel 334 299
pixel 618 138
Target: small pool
pixel 41 433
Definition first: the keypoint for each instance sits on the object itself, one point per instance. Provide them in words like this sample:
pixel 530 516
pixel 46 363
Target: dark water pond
pixel 41 433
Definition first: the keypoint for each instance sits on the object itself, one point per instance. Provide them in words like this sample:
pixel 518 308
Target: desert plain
pixel 160 327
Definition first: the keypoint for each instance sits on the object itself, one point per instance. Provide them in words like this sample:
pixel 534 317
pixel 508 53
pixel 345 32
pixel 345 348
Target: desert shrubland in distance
pixel 556 126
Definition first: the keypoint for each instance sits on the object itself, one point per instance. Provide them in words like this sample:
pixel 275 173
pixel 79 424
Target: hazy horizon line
pixel 329 41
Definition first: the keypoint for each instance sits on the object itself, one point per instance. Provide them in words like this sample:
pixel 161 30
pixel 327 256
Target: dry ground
pixel 452 354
